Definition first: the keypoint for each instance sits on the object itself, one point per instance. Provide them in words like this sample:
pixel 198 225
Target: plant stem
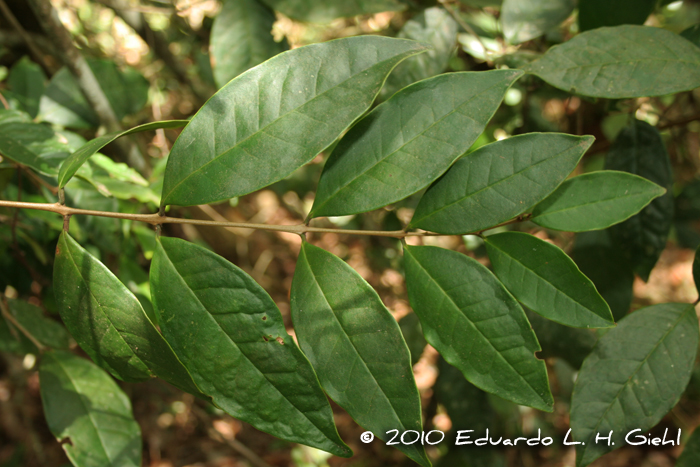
pixel 156 219
pixel 90 87
pixel 33 49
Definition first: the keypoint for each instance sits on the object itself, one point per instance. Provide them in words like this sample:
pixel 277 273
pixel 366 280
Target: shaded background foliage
pixel 163 59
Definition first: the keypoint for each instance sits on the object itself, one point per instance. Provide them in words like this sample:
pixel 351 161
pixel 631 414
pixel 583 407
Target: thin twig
pixel 681 122
pixel 299 229
pixel 84 76
pixel 6 313
pixel 240 448
pixel 469 29
pixel 4 102
pixel 35 51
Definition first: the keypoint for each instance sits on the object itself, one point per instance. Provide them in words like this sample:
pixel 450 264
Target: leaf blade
pixel 639 149
pixel 340 321
pixel 73 162
pixel 521 170
pixel 643 67
pixel 546 280
pixel 595 201
pixel 82 403
pixel 109 323
pixel 241 38
pixel 266 380
pixel 504 362
pixel 615 388
pixel 296 116
pixel 380 161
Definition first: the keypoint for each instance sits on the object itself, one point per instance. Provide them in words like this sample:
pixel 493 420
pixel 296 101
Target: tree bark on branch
pixel 69 54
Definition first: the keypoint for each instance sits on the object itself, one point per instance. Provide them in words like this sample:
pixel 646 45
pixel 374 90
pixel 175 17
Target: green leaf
pixel 71 165
pixel 356 347
pixel 321 12
pixel 433 26
pixel 523 20
pixel 595 201
pixel 640 150
pixel 498 182
pixel 634 376
pixel 607 268
pixel 237 144
pixel 241 38
pixel 476 325
pixel 86 408
pixel 64 104
pixel 44 329
pixel 570 344
pixel 26 81
pixel 230 335
pixel 596 13
pixel 409 141
pixel 546 280
pixel 621 62
pixel 33 145
pixel 690 457
pixel 108 322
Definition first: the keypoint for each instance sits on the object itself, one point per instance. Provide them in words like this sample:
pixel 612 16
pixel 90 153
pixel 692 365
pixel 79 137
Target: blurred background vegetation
pixel 157 60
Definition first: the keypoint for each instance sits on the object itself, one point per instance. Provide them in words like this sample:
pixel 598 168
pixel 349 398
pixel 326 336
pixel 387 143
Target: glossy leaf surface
pixel 409 141
pixel 634 376
pixel 523 20
pixel 434 26
pixel 108 322
pixel 230 335
pixel 356 346
pixel 241 38
pixel 278 116
pixel 476 325
pixel 596 13
pixel 595 201
pixel 84 406
pixel 639 149
pixel 309 10
pixel 652 62
pixel 44 329
pixel 546 280
pixel 73 162
pixel 498 182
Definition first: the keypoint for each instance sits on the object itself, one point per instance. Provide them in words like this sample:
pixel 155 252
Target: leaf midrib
pixel 235 344
pixel 599 201
pixel 533 271
pixel 476 327
pixel 111 323
pixel 85 407
pixel 370 167
pixel 407 53
pixel 308 265
pixel 602 417
pixel 490 187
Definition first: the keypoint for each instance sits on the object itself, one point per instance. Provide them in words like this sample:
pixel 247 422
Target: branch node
pixel 66 222
pixel 62 196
